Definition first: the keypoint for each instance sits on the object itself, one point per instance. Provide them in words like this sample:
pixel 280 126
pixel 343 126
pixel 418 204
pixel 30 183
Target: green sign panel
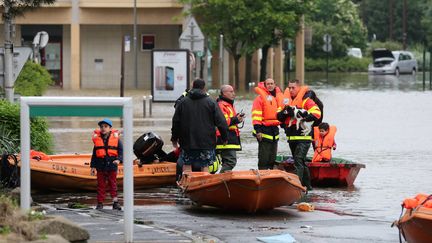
pixel 110 111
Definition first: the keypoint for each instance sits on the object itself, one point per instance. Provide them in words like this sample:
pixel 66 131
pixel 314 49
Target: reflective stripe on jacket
pixel 301 103
pixel 264 110
pixel 111 149
pixel 229 113
pixel 324 145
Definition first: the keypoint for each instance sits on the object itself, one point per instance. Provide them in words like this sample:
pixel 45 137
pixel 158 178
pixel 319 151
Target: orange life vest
pixel 111 149
pixel 271 106
pixel 323 146
pixel 419 200
pixel 297 101
pixel 38 155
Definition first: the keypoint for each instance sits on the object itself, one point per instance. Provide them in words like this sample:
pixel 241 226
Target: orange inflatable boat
pixel 250 191
pixel 416 224
pixel 71 172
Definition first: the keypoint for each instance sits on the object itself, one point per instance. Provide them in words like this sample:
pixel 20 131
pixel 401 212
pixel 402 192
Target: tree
pixel 378 16
pixel 246 25
pixel 340 19
pixel 13 8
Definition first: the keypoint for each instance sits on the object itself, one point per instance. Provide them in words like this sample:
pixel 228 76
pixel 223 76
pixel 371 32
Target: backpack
pixel 312 95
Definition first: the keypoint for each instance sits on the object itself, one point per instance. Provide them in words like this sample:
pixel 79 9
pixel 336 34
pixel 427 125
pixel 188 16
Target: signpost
pixel 81 107
pixel 327 47
pixel 192 39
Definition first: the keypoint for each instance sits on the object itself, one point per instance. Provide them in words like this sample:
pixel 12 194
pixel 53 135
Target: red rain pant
pixel 106 180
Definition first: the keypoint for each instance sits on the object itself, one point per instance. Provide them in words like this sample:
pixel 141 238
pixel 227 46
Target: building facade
pixel 86 39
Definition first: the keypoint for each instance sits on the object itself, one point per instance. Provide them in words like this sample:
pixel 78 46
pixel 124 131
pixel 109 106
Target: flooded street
pixel 383 122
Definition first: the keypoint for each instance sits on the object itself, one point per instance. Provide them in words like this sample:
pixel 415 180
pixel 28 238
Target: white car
pixel 392 62
pixel 355 52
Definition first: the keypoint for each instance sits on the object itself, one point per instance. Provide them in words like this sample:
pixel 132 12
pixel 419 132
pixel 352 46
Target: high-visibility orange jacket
pixel 111 149
pixel 324 145
pixel 302 102
pixel 229 113
pixel 264 110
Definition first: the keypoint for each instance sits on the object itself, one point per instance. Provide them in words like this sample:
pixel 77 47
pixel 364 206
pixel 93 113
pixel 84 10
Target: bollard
pixel 144 106
pixel 150 104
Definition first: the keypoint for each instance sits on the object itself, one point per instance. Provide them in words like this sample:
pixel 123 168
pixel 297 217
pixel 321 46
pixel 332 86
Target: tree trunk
pixel 263 63
pixel 236 72
pixel 248 76
pixel 8 55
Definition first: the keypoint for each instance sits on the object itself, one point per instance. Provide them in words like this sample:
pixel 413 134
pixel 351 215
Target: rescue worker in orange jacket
pixel 296 100
pixel 265 123
pixel 324 142
pixel 227 151
pixel 107 154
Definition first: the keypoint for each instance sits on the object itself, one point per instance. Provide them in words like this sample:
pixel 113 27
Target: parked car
pixel 355 52
pixel 392 62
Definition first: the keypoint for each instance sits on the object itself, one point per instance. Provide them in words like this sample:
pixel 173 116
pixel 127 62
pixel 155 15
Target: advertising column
pixel 170 74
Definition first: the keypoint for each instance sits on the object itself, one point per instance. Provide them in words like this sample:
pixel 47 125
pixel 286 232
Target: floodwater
pixel 383 122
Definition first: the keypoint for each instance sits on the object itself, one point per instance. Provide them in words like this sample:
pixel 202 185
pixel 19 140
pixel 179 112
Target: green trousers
pixel 267 154
pixel 229 159
pixel 299 151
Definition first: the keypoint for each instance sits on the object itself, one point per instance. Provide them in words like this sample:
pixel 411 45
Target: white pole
pixel 128 187
pixel 25 156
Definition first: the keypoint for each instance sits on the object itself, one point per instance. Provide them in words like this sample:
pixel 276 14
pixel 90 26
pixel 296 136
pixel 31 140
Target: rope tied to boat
pixel 226 187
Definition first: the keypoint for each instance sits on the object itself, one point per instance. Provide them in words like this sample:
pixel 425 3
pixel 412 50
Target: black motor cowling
pixel 147 145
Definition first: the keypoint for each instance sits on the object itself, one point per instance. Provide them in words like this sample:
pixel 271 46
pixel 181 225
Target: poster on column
pixel 170 74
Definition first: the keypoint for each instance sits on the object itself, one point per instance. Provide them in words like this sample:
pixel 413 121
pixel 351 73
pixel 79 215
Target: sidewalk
pixel 186 223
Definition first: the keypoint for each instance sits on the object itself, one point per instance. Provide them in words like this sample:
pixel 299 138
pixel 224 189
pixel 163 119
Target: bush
pixel 33 80
pixel 345 64
pixel 41 139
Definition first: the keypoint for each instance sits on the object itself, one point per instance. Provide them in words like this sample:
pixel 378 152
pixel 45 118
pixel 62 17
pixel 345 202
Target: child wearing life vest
pixel 107 154
pixel 324 142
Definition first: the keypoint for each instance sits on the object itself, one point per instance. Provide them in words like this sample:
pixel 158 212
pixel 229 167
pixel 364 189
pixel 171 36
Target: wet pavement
pixel 187 223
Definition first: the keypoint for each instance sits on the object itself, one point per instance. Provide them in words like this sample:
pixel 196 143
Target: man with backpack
pixel 299 114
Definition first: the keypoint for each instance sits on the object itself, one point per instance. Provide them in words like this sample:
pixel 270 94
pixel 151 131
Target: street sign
pixel 192 37
pixel 20 57
pixel 327 47
pixel 200 53
pixel 327 38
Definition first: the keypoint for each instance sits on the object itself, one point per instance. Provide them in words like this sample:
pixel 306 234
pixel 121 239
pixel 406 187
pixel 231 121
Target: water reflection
pixel 364 81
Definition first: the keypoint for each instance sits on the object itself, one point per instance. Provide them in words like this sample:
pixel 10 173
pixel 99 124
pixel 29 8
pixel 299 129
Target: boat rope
pixel 401 233
pixel 256 172
pixel 226 187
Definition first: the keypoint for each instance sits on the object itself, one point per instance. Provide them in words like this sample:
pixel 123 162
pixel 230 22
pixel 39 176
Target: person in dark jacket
pixel 194 128
pixel 107 154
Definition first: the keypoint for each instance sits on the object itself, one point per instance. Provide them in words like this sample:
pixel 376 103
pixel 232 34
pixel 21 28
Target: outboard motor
pixel 147 145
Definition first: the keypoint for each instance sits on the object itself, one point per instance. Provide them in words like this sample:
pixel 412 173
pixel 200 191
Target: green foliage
pixel 378 16
pixel 247 25
pixel 41 139
pixel 18 7
pixel 340 19
pixel 36 215
pixel 33 80
pixel 345 64
pixel 4 230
